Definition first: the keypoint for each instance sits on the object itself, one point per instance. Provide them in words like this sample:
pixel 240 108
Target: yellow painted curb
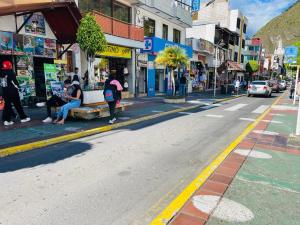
pixel 170 211
pixel 69 137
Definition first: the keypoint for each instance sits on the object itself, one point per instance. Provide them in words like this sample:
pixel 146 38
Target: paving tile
pixel 183 219
pixel 206 192
pixel 232 165
pixel 293 151
pixel 190 209
pixel 246 144
pixel 226 171
pixel 214 187
pixel 221 178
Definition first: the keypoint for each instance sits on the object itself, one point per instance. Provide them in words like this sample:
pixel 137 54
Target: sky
pixel 259 12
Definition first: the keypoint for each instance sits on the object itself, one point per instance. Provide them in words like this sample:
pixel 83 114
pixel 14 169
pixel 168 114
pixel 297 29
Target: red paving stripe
pixel 190 209
pixel 183 219
pixel 206 192
pixel 246 144
pixel 221 178
pixel 226 171
pixel 214 187
pixel 231 165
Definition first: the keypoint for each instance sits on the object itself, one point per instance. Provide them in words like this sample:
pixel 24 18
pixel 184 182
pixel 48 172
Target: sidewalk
pixel 258 183
pixel 140 107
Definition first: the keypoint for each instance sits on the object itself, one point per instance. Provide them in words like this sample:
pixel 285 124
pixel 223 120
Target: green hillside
pixel 285 27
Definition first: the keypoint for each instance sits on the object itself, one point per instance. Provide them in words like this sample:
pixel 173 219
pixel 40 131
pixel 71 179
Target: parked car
pixel 283 85
pixel 275 85
pixel 260 88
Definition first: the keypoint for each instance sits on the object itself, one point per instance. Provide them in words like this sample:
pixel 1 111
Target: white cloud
pixel 259 12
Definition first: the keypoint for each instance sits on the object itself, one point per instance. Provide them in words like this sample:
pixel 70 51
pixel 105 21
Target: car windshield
pixel 259 83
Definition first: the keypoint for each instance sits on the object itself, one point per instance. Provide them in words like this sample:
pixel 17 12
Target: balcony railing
pixel 119 28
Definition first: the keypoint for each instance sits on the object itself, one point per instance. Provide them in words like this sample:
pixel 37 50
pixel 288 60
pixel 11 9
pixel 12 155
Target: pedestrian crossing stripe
pixel 261 109
pixel 236 107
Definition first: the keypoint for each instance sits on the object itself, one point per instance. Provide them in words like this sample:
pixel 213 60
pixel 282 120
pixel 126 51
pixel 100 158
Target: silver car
pixel 260 88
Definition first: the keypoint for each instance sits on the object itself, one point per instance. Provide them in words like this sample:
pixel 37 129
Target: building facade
pixel 164 24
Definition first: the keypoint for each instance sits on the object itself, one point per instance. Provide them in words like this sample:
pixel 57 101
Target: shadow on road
pixel 43 156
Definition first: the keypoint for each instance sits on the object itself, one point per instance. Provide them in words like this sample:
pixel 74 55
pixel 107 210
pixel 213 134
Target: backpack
pixel 110 93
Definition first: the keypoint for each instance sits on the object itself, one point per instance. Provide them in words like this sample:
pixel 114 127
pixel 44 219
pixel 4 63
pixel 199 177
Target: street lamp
pixel 221 44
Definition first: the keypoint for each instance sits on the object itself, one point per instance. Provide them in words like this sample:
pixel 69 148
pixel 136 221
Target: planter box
pixel 174 100
pixel 92 97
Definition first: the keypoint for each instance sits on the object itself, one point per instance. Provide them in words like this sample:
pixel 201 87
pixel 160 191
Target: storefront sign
pixel 195 5
pixel 291 54
pixel 6 43
pixel 206 46
pixel 116 51
pixel 154 45
pixel 35 25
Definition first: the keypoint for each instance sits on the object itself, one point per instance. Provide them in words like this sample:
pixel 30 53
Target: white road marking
pixel 261 109
pixel 185 113
pixel 236 107
pixel 284 107
pixel 214 116
pixel 276 114
pixel 247 119
pixel 124 118
pixel 208 107
pixel 272 121
pixel 223 209
pixel 196 102
pixel 253 154
pixel 265 132
pixel 157 111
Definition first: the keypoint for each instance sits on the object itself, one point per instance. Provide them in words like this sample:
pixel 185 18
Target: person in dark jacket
pixel 11 96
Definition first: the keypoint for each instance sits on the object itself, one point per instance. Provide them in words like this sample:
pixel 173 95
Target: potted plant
pixel 173 57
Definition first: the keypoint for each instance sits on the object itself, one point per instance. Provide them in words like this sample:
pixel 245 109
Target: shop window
pixel 149 28
pixel 176 36
pixel 237 41
pixel 245 28
pixel 88 5
pixel 235 56
pixel 165 32
pixel 121 12
pixel 251 48
pixel 238 23
pixel 105 7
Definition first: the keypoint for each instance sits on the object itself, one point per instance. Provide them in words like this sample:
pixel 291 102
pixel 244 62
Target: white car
pixel 260 88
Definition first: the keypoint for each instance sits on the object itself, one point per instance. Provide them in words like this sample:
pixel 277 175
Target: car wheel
pixel 248 95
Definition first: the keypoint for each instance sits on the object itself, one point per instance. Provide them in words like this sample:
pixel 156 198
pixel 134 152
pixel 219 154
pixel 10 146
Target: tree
pixel 91 39
pixel 252 67
pixel 173 57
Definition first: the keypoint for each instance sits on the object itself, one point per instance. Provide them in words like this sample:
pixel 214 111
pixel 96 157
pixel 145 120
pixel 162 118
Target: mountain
pixel 285 27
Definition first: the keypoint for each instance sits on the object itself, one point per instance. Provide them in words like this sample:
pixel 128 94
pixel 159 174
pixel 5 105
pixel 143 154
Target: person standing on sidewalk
pixel 237 84
pixel 292 89
pixel 11 95
pixel 112 95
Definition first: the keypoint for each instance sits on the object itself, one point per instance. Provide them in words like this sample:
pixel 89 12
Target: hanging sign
pixel 116 51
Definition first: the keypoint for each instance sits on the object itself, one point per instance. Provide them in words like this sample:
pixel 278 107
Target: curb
pixel 70 137
pixel 177 204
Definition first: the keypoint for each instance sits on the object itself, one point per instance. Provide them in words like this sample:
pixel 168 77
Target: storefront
pixel 156 74
pixel 34 39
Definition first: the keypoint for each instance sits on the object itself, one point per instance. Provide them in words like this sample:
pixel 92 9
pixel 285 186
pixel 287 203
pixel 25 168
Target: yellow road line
pixel 170 211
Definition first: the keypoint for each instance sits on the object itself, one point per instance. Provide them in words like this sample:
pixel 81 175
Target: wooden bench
pixel 93 111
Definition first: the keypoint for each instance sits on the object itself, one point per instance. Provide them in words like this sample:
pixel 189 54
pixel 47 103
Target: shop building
pixel 117 21
pixel 32 37
pixel 164 24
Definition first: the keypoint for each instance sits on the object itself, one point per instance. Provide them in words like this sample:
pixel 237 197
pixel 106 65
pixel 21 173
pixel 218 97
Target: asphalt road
pixel 122 177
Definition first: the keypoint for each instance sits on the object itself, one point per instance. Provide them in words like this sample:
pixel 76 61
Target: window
pixel 245 28
pixel 242 59
pixel 165 32
pixel 238 24
pixel 176 36
pixel 149 28
pixel 237 41
pixel 243 44
pixel 251 48
pixel 88 5
pixel 235 56
pixel 121 12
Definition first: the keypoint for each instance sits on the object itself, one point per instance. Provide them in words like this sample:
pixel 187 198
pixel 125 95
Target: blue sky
pixel 259 12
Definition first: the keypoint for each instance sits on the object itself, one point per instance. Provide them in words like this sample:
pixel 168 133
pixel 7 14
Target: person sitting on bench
pixel 57 101
pixel 75 100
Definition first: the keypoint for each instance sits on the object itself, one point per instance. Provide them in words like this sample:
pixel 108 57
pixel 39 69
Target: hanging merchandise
pixel 50 75
pixel 18 44
pixel 6 43
pixel 39 49
pixel 50 48
pixel 29 43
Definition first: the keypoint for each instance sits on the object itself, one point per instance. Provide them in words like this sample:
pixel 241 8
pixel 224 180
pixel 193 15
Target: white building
pixel 164 24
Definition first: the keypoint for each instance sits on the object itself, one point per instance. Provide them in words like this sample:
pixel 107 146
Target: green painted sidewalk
pixel 266 190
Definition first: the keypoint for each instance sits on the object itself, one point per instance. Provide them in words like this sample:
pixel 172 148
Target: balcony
pixel 119 28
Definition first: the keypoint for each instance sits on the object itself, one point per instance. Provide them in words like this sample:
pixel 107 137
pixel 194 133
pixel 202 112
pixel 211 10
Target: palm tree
pixel 173 57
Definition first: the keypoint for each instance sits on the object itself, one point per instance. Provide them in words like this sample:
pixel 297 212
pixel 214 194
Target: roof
pixel 54 11
pixel 230 66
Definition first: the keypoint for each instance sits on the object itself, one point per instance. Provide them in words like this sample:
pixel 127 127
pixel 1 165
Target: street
pixel 123 177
